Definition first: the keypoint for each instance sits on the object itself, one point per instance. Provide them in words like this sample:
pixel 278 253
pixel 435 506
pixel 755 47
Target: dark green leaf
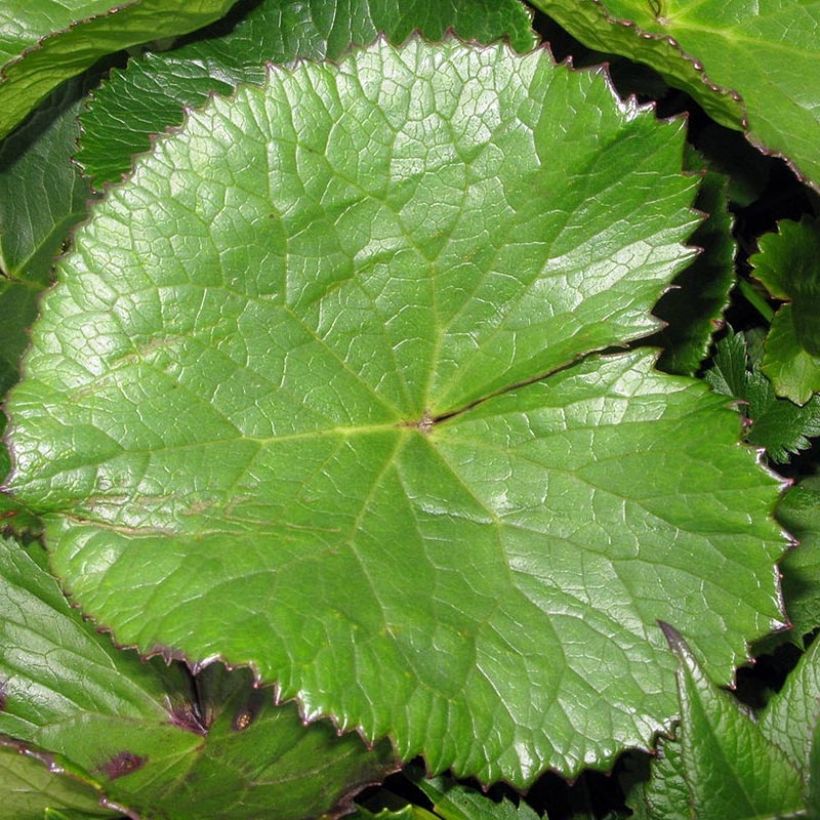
pixel 134 730
pixel 800 513
pixel 272 410
pixel 45 42
pixel 730 768
pixel 778 425
pixel 791 716
pixel 452 801
pixel 151 93
pixel 751 65
pixel 788 263
pixel 695 308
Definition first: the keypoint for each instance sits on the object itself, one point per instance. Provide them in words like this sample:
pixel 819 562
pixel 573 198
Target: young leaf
pixel 788 264
pixel 151 93
pixel 31 791
pixel 790 719
pixel 750 65
pixel 694 309
pixel 730 768
pixel 45 42
pixel 666 794
pixel 272 410
pixel 132 729
pixel 778 425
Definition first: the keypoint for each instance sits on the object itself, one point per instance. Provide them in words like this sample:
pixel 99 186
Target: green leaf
pixel 151 93
pixel 666 794
pixel 695 308
pixel 452 801
pixel 32 791
pixel 45 42
pixel 778 425
pixel 279 385
pixel 42 196
pixel 134 729
pixel 788 264
pixel 799 511
pixel 730 768
pixel 750 65
pixel 791 717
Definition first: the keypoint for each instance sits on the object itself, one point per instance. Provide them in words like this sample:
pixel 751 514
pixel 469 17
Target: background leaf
pixel 750 65
pixel 800 513
pixel 778 425
pixel 297 421
pixel 138 733
pixel 695 308
pixel 45 42
pixel 788 264
pixel 728 765
pixel 150 94
pixel 791 717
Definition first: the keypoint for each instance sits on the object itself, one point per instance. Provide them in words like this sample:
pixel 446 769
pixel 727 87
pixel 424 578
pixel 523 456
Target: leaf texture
pixel 133 730
pixel 45 42
pixel 281 409
pixel 149 95
pixel 751 65
pixel 730 768
pixel 778 425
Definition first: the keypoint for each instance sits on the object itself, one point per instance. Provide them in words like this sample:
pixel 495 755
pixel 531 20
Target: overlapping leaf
pixel 134 731
pixel 45 42
pixel 270 412
pixel 694 309
pixel 723 764
pixel 800 513
pixel 781 427
pixel 31 791
pixel 750 65
pixel 150 94
pixel 788 264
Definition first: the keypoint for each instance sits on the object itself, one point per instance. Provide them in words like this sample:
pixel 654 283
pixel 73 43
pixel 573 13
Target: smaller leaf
pixel 46 42
pixel 32 790
pixel 694 309
pixel 135 731
pixel 788 264
pixel 790 719
pixel 729 766
pixel 150 94
pixel 666 794
pixel 799 511
pixel 452 801
pixel 778 425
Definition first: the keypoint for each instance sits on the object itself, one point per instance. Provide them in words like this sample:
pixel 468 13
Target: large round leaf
pixel 270 411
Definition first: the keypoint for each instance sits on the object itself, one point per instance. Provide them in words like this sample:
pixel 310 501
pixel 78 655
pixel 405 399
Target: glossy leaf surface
pixel 32 792
pixel 131 728
pixel 270 411
pixel 729 766
pixel 751 65
pixel 150 93
pixel 45 42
